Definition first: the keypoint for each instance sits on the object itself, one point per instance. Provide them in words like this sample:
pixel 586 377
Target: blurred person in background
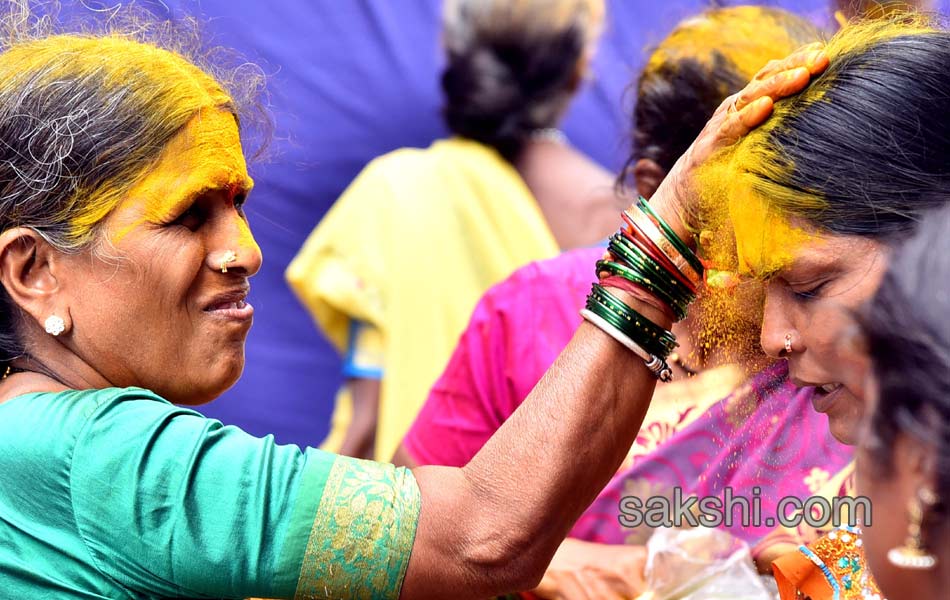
pixel 392 272
pixel 902 370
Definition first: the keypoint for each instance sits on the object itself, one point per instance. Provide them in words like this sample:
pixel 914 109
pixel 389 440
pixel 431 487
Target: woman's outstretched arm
pixel 494 525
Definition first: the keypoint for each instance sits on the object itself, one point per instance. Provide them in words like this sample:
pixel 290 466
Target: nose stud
pixel 788 343
pixel 229 257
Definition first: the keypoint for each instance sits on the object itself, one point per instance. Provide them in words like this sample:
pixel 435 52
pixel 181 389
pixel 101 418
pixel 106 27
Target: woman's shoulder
pixel 78 400
pixel 59 416
pixel 41 431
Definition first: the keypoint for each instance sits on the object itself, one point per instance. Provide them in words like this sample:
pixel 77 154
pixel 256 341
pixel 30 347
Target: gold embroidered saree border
pixel 362 533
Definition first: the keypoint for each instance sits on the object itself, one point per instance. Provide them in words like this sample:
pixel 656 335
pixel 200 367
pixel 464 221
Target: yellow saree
pixel 408 249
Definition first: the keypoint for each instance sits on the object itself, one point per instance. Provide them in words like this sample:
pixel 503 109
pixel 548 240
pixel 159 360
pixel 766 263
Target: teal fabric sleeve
pixel 173 504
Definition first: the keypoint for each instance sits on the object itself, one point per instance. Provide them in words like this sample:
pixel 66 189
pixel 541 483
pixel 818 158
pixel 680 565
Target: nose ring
pixel 788 343
pixel 229 257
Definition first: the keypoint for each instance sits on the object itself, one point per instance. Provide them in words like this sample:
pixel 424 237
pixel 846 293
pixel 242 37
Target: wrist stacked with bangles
pixel 649 261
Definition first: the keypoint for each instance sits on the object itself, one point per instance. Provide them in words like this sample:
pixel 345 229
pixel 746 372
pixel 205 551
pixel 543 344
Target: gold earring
pixel 229 257
pixel 913 555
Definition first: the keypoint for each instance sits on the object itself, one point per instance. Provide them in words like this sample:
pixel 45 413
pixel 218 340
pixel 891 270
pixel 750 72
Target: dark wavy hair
pixel 511 67
pixel 865 149
pixel 907 330
pixel 705 59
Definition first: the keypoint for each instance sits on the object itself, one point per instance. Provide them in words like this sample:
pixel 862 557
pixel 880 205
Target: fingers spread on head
pixel 771 68
pixel 742 122
pixel 812 57
pixel 777 86
pixel 817 62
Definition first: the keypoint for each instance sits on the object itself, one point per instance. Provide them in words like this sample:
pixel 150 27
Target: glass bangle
pixel 609 315
pixel 688 254
pixel 657 366
pixel 662 279
pixel 640 248
pixel 678 306
pixel 646 229
pixel 637 326
pixel 621 248
pixel 640 326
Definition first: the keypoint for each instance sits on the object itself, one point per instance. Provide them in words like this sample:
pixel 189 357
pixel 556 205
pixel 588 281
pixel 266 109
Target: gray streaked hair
pixel 84 115
pixel 513 65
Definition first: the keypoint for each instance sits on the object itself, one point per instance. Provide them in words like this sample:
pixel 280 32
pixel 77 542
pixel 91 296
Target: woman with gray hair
pixel 125 260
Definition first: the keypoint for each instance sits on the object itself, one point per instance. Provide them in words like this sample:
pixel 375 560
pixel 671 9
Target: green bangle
pixel 657 366
pixel 680 245
pixel 636 326
pixel 678 306
pixel 597 306
pixel 638 323
pixel 637 260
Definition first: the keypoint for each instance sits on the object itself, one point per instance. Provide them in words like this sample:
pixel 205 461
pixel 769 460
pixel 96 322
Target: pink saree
pixel 702 435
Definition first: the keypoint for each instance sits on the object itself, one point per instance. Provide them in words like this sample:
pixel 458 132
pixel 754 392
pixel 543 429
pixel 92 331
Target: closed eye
pixel 239 201
pixel 193 217
pixel 811 293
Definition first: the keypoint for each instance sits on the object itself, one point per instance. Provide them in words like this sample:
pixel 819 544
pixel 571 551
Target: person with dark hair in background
pixel 902 370
pixel 715 437
pixel 393 270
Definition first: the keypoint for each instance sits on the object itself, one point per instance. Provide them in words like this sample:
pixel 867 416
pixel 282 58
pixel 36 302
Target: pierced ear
pixel 648 174
pixel 916 459
pixel 28 265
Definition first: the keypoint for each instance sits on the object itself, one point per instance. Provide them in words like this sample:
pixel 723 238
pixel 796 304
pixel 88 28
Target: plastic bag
pixel 701 564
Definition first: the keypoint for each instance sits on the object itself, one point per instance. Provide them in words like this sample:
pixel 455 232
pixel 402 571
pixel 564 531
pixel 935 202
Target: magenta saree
pixel 702 435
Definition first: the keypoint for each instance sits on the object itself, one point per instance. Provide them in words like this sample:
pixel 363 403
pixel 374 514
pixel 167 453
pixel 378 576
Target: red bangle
pixel 649 248
pixel 634 234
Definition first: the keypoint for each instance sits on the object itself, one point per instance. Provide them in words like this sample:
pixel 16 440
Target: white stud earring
pixel 54 325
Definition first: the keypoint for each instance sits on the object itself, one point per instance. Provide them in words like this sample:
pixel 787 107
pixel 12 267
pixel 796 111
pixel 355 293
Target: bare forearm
pixel 564 444
pixel 507 511
pixel 493 525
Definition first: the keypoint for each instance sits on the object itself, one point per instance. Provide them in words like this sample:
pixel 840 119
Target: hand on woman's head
pixel 677 197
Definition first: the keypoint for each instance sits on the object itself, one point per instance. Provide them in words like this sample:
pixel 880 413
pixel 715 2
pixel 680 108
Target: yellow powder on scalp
pixel 731 44
pixel 754 217
pixel 125 68
pixel 746 36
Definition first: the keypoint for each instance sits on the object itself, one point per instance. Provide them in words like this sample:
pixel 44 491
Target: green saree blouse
pixel 117 493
